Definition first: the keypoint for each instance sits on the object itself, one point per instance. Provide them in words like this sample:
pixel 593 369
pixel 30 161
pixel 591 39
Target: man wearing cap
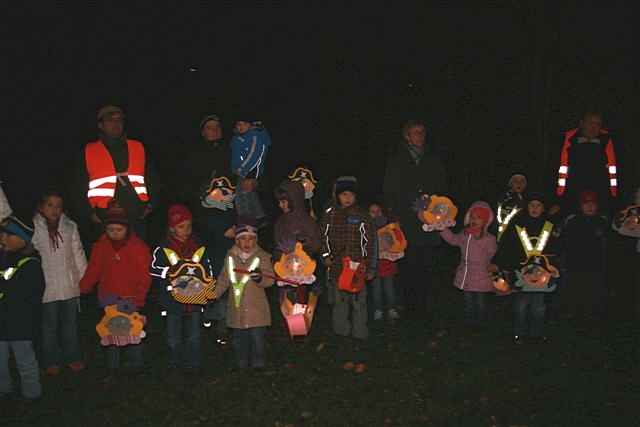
pixel 116 167
pixel 412 171
pixel 587 162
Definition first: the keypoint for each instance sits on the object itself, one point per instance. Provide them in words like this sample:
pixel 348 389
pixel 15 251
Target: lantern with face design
pixel 219 195
pixel 121 326
pixel 628 218
pixel 391 242
pixel 190 282
pixel 305 177
pixel 537 274
pixel 296 266
pixel 436 212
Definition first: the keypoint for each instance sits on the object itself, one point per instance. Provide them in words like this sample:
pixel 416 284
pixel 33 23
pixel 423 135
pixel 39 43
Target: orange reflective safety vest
pixel 565 168
pixel 103 177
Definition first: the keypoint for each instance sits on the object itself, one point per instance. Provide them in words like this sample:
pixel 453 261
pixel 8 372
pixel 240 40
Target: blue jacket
pixel 249 152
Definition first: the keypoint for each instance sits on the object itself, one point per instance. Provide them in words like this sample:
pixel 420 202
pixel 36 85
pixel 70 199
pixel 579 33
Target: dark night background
pixel 497 85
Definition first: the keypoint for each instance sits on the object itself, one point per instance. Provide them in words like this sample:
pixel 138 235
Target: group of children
pixel 531 255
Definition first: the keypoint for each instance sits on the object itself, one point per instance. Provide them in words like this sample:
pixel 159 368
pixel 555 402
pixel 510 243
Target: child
pixel 584 240
pixel 295 224
pixel 349 252
pixel 477 247
pixel 248 311
pixel 119 264
pixel 21 288
pixel 249 148
pixel 183 320
pixel 528 248
pixel 512 202
pixel 387 270
pixel 64 262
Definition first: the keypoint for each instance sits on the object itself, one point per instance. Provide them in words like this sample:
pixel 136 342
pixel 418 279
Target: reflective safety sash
pixel 503 220
pixel 11 271
pixel 541 240
pixel 239 285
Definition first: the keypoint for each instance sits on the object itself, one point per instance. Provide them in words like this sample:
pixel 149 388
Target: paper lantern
pixel 537 274
pixel 299 317
pixel 296 266
pixel 436 212
pixel 190 282
pixel 120 328
pixel 353 276
pixel 219 194
pixel 305 177
pixel 391 242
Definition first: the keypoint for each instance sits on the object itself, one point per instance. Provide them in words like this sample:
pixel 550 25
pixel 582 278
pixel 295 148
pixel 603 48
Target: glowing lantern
pixel 391 242
pixel 305 177
pixel 537 274
pixel 299 316
pixel 628 218
pixel 219 194
pixel 436 212
pixel 190 282
pixel 500 285
pixel 295 266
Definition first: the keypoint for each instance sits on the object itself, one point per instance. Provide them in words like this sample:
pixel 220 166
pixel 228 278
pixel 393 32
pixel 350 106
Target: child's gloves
pixel 256 275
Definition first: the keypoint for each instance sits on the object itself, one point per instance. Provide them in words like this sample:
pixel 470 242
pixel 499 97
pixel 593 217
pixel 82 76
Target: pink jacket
pixel 476 254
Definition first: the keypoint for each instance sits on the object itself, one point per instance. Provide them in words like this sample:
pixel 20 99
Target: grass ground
pixel 424 370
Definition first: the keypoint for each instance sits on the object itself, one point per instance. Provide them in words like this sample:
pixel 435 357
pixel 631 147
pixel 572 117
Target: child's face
pixel 242 127
pixel 476 222
pixel 183 230
pixel 51 208
pixel 589 208
pixel 283 204
pixel 212 131
pixel 246 242
pixel 535 208
pixel 375 211
pixel 518 185
pixel 346 199
pixel 11 242
pixel 116 232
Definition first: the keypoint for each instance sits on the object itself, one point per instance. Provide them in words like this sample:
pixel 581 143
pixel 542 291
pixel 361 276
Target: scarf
pixel 185 249
pixel 55 238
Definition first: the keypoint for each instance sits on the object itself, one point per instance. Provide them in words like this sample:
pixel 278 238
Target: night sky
pixel 497 85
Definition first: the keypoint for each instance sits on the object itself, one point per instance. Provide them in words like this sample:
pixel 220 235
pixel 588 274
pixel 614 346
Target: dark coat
pixel 584 242
pixel 21 301
pixel 296 225
pixel 404 182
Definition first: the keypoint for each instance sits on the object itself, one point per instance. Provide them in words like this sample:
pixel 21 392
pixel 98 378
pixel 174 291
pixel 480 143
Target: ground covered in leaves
pixel 427 369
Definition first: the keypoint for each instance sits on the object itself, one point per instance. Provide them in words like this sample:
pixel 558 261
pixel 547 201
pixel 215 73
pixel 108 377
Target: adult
pixel 412 171
pixel 587 163
pixel 5 209
pixel 116 168
pixel 209 160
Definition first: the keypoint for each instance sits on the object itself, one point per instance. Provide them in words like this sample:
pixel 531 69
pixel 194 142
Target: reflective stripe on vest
pixel 11 271
pixel 503 222
pixel 541 240
pixel 103 177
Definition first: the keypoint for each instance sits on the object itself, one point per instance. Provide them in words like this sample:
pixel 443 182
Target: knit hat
pixel 517 175
pixel 109 110
pixel 116 215
pixel 536 196
pixel 17 227
pixel 588 196
pixel 210 117
pixel 177 214
pixel 346 183
pixel 245 227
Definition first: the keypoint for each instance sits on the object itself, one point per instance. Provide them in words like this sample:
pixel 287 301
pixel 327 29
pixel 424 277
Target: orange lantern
pixel 391 242
pixel 537 274
pixel 120 328
pixel 296 266
pixel 190 282
pixel 219 194
pixel 437 212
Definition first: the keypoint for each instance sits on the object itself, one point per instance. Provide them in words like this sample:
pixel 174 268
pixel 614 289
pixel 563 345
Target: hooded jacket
pixel 122 273
pixel 295 225
pixel 476 254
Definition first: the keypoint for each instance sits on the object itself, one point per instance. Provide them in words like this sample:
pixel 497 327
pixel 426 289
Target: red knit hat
pixel 481 212
pixel 588 196
pixel 177 214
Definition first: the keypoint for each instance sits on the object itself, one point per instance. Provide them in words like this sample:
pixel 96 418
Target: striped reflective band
pixel 563 169
pixel 101 192
pixel 613 170
pixel 613 182
pixel 101 181
pixel 562 182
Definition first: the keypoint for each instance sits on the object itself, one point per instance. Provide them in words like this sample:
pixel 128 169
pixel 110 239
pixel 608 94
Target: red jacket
pixel 122 273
